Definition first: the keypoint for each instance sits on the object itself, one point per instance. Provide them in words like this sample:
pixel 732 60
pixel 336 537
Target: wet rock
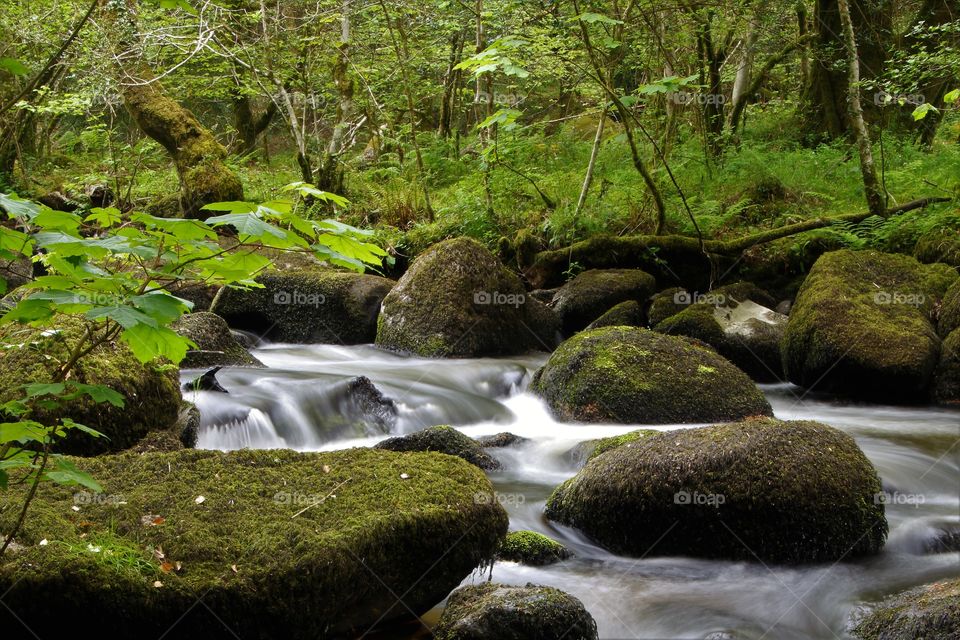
pixel 946 539
pixel 492 611
pixel 592 293
pixel 363 402
pixel 531 548
pixel 215 344
pixel 931 612
pixel 590 449
pixel 787 492
pixel 625 314
pixel 206 382
pixel 501 440
pixel 443 439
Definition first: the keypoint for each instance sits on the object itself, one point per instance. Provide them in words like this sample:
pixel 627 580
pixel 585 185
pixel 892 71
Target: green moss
pixel 491 611
pixel 151 391
pixel 625 314
pixel 667 303
pixel 282 544
pixel 696 321
pixel 861 326
pixel 445 306
pixel 442 439
pixel 786 491
pixel 608 444
pixel 950 311
pixel 939 245
pixel 931 612
pixel 215 344
pixel 307 306
pixel 634 376
pixel 946 388
pixel 532 548
pixel 593 293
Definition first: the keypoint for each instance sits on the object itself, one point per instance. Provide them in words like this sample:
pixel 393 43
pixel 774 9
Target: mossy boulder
pixel 625 314
pixel 458 300
pixel 930 612
pixel 789 492
pixel 946 385
pixel 590 449
pixel 861 326
pixel 307 306
pixel 939 245
pixel 635 376
pixel 592 293
pixel 279 544
pixel 151 391
pixel 950 311
pixel 442 439
pixel 531 548
pixel 492 611
pixel 666 303
pixel 215 344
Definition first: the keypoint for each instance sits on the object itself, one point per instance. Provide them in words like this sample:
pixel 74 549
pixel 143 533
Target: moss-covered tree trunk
pixel 825 110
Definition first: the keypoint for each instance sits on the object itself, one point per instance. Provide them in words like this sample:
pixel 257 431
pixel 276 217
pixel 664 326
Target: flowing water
pixel 916 451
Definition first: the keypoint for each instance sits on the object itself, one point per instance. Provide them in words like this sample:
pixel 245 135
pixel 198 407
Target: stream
pixel 916 451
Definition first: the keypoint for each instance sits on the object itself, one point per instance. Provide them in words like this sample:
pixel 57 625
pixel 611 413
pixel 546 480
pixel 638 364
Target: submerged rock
pixel 151 393
pixel 215 344
pixel 279 544
pixel 931 612
pixel 442 439
pixel 592 293
pixel 358 408
pixel 790 492
pixel 458 300
pixel 206 382
pixel 635 376
pixel 307 306
pixel 492 611
pixel 531 548
pixel 861 326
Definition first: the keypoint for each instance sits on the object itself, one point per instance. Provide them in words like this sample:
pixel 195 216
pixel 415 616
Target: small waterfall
pixel 256 431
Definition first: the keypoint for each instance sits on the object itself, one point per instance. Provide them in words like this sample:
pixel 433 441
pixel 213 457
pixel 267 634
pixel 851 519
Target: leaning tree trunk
pixel 824 107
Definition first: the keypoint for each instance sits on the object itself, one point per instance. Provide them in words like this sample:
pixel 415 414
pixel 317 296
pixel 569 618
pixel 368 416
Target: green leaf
pixel 17 208
pixel 106 218
pixel 99 393
pixel 44 389
pixel 149 342
pixel 126 317
pixel 12 66
pixel 23 432
pixel 231 207
pixel 161 306
pixel 66 473
pixel 58 221
pixel 951 96
pixel 594 18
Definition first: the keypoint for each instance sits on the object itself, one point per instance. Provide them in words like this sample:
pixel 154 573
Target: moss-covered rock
pixel 931 612
pixel 501 440
pixel 946 379
pixel 151 391
pixel 492 611
pixel 950 311
pixel 635 376
pixel 861 326
pixel 666 303
pixel 532 548
pixel 590 449
pixel 939 245
pixel 442 439
pixel 457 300
pixel 592 293
pixel 215 344
pixel 307 306
pixel 625 314
pixel 788 492
pixel 277 543
pixel 541 325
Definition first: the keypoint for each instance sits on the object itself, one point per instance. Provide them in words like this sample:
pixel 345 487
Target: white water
pixel 915 450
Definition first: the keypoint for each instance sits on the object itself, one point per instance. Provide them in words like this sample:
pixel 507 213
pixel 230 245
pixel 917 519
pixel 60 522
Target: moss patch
pixel 786 491
pixel 939 245
pixel 530 547
pixel 950 311
pixel 215 344
pixel 634 376
pixel 946 386
pixel 625 314
pixel 931 612
pixel 592 293
pixel 281 545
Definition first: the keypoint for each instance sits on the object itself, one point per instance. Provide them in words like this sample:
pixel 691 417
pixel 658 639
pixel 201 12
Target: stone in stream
pixel 593 293
pixel 785 492
pixel 587 450
pixel 531 548
pixel 625 314
pixel 443 439
pixel 635 376
pixel 861 326
pixel 279 544
pixel 151 393
pixel 930 612
pixel 215 345
pixel 492 611
pixel 501 440
pixel 206 382
pixel 305 306
pixel 458 300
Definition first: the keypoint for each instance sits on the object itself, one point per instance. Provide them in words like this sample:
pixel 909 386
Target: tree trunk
pixel 932 86
pixel 343 81
pixel 588 178
pixel 451 84
pixel 248 124
pixel 741 84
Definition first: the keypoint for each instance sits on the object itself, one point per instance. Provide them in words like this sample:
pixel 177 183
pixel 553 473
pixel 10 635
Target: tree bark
pixel 594 152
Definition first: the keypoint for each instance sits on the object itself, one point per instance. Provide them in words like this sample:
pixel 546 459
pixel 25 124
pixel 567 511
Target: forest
pixel 480 319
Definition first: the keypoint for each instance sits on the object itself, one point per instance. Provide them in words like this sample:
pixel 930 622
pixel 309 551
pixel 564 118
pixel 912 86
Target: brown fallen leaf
pixel 151 520
pixel 166 567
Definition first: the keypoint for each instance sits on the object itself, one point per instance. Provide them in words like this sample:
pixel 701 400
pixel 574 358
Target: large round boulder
pixel 635 376
pixel 861 326
pixel 215 345
pixel 151 391
pixel 278 544
pixel 492 611
pixel 458 300
pixel 592 293
pixel 307 306
pixel 930 612
pixel 787 492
